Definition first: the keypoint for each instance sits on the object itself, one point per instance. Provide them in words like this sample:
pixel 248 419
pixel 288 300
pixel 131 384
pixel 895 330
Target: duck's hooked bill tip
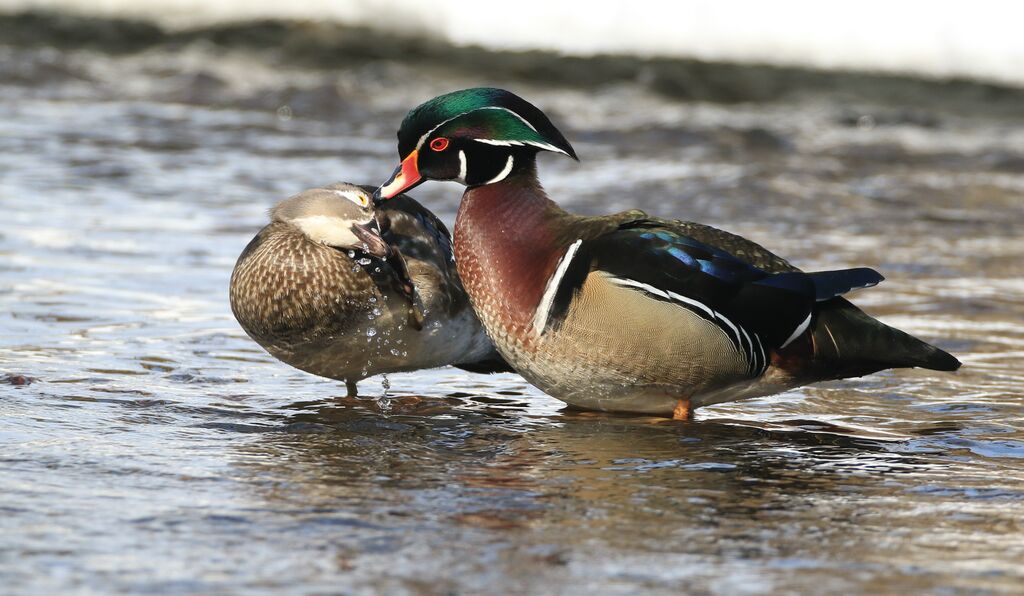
pixel 405 177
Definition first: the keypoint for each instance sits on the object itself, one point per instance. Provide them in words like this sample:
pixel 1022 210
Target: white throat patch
pixel 332 231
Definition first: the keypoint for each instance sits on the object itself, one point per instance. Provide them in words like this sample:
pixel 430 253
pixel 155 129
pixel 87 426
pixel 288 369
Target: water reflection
pixel 147 445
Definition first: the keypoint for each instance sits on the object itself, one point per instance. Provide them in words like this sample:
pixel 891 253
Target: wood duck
pixel 337 288
pixel 629 312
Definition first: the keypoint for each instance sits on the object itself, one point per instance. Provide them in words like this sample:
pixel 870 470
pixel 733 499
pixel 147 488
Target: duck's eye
pixel 356 197
pixel 439 144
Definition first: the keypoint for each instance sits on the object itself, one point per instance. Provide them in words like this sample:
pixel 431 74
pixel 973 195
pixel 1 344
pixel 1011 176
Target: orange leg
pixel 682 411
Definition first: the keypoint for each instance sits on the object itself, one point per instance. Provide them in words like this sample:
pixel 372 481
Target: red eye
pixel 439 144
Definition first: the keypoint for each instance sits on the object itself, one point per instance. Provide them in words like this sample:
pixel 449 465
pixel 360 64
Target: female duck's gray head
pixel 339 215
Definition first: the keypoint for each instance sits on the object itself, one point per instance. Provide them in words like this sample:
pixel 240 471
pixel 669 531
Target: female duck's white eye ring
pixel 439 144
pixel 356 197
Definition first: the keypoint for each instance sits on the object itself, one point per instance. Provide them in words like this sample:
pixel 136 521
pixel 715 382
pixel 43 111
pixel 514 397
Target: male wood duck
pixel 337 288
pixel 629 312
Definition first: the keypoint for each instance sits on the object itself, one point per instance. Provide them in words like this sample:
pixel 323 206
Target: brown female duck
pixel 337 288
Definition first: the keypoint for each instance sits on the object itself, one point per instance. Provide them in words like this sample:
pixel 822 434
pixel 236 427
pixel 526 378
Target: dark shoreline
pixel 323 45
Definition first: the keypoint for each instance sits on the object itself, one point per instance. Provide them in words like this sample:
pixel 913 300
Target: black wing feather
pixel 767 305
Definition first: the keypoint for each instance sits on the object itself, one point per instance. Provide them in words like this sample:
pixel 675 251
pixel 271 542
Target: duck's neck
pixel 508 239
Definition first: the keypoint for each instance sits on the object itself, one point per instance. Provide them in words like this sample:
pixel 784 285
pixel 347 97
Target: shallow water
pixel 146 444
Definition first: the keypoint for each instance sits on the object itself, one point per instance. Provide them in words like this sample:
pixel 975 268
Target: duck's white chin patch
pixel 332 231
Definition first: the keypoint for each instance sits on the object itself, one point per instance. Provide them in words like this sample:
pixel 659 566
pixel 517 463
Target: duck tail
pixel 847 342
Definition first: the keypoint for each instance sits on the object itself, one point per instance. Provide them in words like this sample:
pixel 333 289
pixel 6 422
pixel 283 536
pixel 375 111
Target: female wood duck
pixel 339 289
pixel 629 312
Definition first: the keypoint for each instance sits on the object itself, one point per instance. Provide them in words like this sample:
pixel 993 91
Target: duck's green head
pixel 475 136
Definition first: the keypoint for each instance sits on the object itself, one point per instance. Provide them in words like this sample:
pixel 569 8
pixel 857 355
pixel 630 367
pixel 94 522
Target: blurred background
pixel 146 444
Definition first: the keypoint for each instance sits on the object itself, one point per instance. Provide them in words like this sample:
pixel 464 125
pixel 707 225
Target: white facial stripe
pixel 547 147
pixel 332 231
pixel 502 174
pixel 798 331
pixel 536 144
pixel 427 134
pixel 462 166
pixel 499 143
pixel 357 197
pixel 540 316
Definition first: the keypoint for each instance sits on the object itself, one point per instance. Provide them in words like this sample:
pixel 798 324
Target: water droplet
pixel 351 254
pixel 373 299
pixel 284 113
pixel 365 261
pixel 370 332
pixel 394 351
pixel 376 311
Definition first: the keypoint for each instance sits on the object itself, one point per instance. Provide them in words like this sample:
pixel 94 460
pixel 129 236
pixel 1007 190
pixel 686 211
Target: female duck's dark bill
pixel 405 177
pixel 373 243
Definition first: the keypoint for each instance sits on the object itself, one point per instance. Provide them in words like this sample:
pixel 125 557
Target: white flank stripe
pixel 693 302
pixel 635 284
pixel 799 329
pixel 739 342
pixel 747 337
pixel 703 307
pixel 540 317
pixel 501 175
pixel 753 354
pixel 760 349
pixel 462 166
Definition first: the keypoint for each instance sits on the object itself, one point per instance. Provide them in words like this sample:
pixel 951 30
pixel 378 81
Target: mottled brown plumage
pixel 341 313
